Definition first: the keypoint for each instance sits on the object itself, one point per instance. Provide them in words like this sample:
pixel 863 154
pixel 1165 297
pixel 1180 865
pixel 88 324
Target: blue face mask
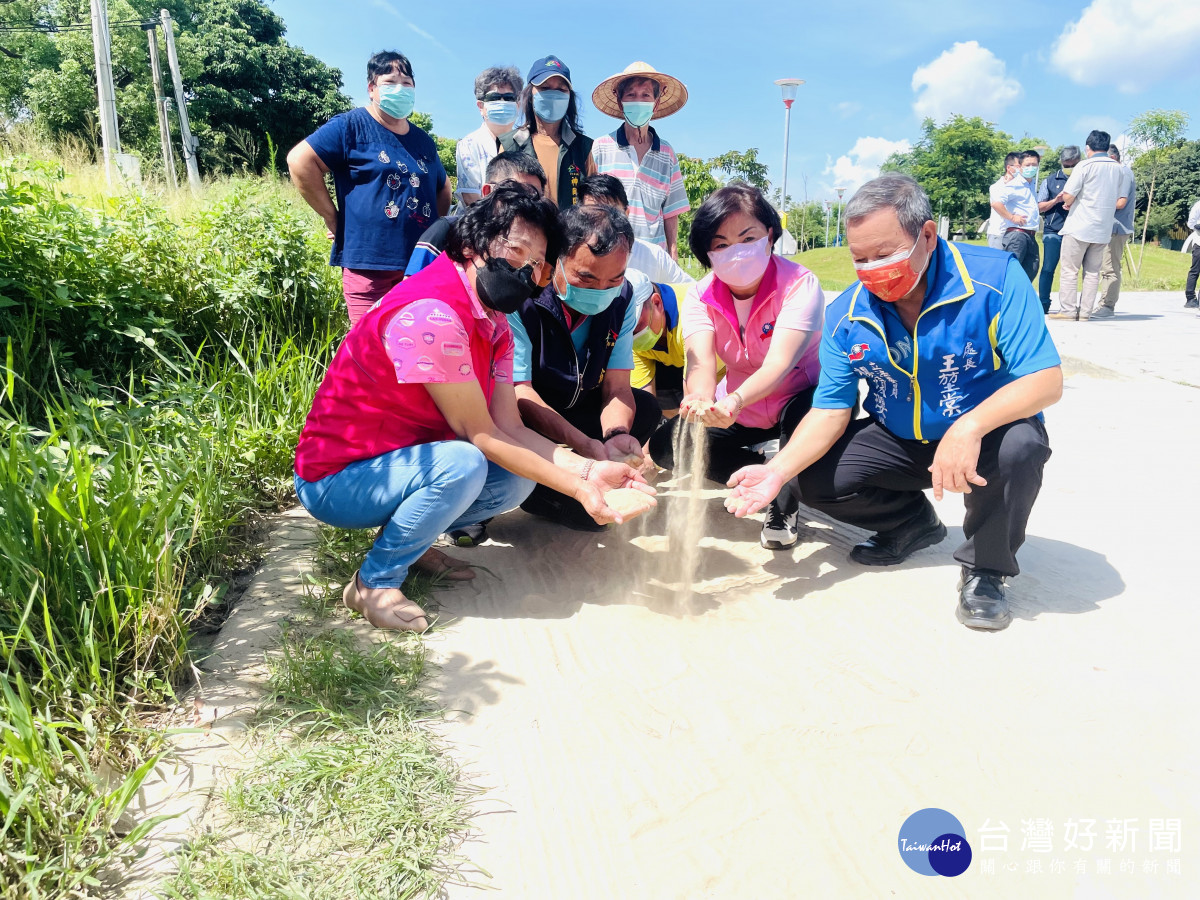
pixel 1028 172
pixel 637 112
pixel 500 112
pixel 588 301
pixel 551 106
pixel 397 100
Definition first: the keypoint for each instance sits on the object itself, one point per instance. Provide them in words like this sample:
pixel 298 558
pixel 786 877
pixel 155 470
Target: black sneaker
pixel 1191 304
pixel 981 601
pixel 780 531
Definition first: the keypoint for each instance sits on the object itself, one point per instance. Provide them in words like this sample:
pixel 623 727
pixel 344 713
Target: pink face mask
pixel 741 264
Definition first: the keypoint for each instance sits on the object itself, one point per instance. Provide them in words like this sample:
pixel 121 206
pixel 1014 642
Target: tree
pixel 955 163
pixel 1178 182
pixel 744 166
pixel 243 81
pixel 1158 133
pixel 699 182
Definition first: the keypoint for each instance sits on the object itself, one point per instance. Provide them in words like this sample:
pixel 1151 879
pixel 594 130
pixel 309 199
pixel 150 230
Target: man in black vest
pixel 574 352
pixel 1050 205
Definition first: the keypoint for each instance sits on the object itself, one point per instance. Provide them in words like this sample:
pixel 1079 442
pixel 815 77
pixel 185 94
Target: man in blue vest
pixel 951 341
pixel 573 352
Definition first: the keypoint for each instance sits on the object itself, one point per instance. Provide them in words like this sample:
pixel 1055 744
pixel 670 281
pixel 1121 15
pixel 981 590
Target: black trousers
pixel 729 448
pixel 1024 247
pixel 585 414
pixel 1193 273
pixel 874 480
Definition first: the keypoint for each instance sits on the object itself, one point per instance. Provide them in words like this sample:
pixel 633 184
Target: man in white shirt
pixel 1016 205
pixel 1093 194
pixel 995 231
pixel 496 92
pixel 1194 272
pixel 650 259
pixel 1110 268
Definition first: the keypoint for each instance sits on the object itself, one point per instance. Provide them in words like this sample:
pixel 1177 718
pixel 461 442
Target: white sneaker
pixel 779 531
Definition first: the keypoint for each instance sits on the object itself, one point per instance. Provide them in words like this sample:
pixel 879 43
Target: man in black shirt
pixel 1053 218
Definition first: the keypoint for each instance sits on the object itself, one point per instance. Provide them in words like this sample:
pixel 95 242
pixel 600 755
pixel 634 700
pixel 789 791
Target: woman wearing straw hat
pixel 634 153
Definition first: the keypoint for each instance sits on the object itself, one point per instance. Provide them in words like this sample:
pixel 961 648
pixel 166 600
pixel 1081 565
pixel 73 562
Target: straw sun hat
pixel 671 98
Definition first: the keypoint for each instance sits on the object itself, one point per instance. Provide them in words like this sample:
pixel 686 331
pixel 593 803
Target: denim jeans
pixel 416 493
pixel 1051 251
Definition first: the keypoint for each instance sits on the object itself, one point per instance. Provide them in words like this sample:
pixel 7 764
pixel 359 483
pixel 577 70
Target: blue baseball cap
pixel 547 67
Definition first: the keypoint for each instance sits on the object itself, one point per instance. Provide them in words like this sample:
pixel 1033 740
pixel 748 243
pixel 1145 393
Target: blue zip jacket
pixel 981 327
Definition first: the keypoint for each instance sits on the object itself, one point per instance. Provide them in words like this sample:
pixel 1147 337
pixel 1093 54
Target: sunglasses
pixel 493 96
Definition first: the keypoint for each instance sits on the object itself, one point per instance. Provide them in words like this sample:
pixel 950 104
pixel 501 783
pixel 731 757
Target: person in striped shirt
pixel 645 164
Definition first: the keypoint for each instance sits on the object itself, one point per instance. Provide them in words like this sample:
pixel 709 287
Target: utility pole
pixel 837 235
pixel 110 138
pixel 160 107
pixel 185 129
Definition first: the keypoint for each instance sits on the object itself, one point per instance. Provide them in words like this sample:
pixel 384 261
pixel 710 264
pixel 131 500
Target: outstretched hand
pixel 753 488
pixel 605 477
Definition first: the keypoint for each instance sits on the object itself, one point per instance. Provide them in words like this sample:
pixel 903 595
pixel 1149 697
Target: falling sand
pixel 686 512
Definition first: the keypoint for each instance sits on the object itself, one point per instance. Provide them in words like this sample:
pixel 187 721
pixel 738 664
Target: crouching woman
pixel 415 426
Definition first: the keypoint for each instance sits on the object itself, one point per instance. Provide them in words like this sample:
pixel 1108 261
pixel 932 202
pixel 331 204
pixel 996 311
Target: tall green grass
pixel 157 366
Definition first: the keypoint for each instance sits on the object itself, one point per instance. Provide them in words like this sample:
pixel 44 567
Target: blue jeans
pixel 1051 251
pixel 416 493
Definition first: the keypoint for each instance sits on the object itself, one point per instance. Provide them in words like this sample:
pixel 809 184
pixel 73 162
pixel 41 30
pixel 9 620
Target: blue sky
pixel 872 70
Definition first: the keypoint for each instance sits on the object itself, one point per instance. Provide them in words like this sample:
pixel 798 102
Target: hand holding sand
pixel 694 408
pixel 753 488
pixel 629 502
pixel 604 478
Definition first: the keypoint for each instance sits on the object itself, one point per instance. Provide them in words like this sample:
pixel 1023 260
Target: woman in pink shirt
pixel 760 315
pixel 415 426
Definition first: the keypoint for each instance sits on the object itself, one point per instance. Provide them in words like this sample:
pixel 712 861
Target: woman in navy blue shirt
pixel 389 182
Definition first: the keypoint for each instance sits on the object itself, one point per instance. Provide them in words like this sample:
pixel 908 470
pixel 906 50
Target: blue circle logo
pixel 933 842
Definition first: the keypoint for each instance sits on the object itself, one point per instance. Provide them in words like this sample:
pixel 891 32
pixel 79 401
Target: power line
pixel 51 27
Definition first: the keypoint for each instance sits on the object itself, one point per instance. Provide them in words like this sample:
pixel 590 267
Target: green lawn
pixel 1162 270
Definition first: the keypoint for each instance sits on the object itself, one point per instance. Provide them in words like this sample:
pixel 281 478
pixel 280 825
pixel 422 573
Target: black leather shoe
pixel 891 547
pixel 981 601
pixel 1191 304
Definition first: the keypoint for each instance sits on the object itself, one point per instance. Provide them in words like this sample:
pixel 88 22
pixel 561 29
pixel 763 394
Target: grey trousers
pixel 1077 255
pixel 1110 270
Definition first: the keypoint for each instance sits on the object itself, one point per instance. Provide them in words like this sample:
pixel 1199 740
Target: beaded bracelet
pixel 587 469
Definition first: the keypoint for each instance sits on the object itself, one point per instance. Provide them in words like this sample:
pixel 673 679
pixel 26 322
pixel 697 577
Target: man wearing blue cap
pixel 551 131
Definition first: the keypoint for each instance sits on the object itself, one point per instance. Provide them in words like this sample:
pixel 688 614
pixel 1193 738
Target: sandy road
pixel 769 739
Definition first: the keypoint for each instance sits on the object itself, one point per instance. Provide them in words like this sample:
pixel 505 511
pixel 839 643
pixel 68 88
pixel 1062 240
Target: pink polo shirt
pixel 789 297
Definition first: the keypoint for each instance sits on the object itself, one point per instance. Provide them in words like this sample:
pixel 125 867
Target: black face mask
pixel 502 287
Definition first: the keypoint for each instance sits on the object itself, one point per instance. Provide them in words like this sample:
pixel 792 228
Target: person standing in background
pixel 1017 207
pixel 551 131
pixel 496 92
pixel 1189 294
pixel 645 164
pixel 996 225
pixel 388 181
pixel 1110 266
pixel 1093 194
pixel 1053 218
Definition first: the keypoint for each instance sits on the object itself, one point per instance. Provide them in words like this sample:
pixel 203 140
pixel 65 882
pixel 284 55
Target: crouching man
pixel 958 364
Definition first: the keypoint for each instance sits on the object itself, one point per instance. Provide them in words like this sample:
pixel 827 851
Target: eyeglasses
pixel 493 96
pixel 519 256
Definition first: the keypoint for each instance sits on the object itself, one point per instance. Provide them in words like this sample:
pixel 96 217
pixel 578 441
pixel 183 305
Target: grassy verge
pixel 156 363
pixel 351 795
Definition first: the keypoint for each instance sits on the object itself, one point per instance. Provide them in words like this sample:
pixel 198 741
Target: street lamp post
pixel 828 209
pixel 1037 181
pixel 789 87
pixel 838 233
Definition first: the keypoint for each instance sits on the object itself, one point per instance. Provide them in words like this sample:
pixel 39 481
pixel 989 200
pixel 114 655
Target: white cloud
pixel 1130 43
pixel 966 79
pixel 848 108
pixel 861 163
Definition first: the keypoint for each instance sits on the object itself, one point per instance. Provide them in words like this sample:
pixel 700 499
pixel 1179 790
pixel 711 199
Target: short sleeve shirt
pixel 472 155
pixel 386 187
pixel 1018 198
pixel 655 185
pixel 1096 184
pixel 428 344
